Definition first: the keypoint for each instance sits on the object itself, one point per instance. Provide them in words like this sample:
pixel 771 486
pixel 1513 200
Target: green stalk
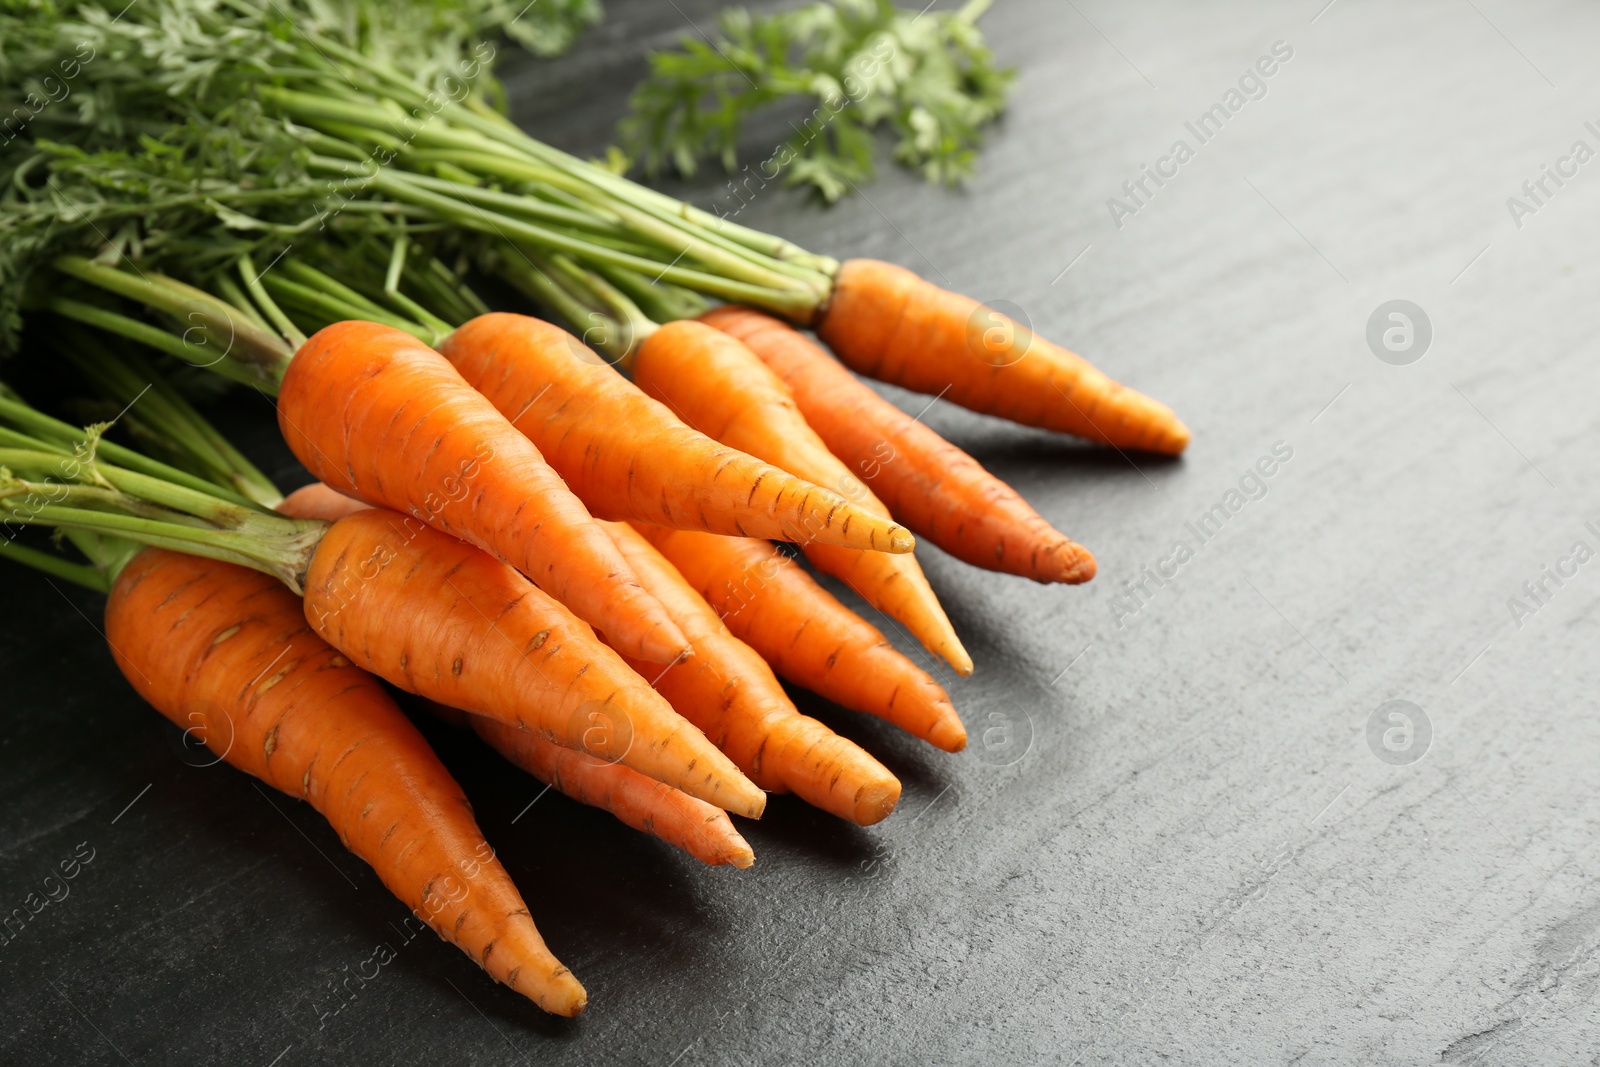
pixel 670 228
pixel 252 282
pixel 155 337
pixel 788 302
pixel 49 432
pixel 284 556
pixel 602 316
pixel 660 303
pixel 305 274
pixel 131 381
pixel 218 321
pixel 330 307
pixel 49 563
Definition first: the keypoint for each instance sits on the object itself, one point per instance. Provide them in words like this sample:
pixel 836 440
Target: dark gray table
pixel 1206 840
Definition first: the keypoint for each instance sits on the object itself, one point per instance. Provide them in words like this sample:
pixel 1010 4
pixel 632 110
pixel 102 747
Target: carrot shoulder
pixel 888 323
pixel 629 457
pixel 225 652
pixel 769 602
pixel 441 619
pixel 719 386
pixel 378 415
pixel 938 490
pixel 703 831
pixel 730 692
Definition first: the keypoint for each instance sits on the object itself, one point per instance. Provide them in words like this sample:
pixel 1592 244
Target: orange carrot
pixel 448 622
pixel 731 694
pixel 769 602
pixel 628 457
pixel 377 414
pixel 675 817
pixel 938 490
pixel 704 832
pixel 317 501
pixel 887 323
pixel 225 652
pixel 720 387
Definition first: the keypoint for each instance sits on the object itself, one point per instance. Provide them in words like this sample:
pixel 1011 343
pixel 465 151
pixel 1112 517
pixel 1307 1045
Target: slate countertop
pixel 1199 834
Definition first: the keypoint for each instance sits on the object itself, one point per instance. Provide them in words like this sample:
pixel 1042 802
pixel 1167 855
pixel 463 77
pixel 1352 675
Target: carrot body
pixel 730 693
pixel 938 490
pixel 448 622
pixel 720 387
pixel 629 457
pixel 704 832
pixel 378 415
pixel 888 323
pixel 226 653
pixel 774 606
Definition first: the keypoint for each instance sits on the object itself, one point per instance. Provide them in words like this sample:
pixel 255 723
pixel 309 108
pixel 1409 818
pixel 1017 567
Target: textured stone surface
pixel 1199 857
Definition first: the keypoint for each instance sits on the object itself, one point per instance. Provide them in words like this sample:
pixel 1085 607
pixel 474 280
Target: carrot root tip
pixel 876 802
pixel 948 735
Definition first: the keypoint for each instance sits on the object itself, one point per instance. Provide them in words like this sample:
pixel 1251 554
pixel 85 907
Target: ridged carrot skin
pixel 887 323
pixel 446 621
pixel 226 653
pixel 720 387
pixel 769 602
pixel 376 414
pixel 935 488
pixel 629 457
pixel 704 832
pixel 730 693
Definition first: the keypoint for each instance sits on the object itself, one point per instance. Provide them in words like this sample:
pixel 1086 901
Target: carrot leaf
pixel 861 65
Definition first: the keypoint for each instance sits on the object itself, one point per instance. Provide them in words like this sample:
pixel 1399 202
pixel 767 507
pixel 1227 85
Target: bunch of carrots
pixel 562 541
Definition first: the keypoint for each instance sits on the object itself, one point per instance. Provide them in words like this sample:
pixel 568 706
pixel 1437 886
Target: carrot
pixel 704 832
pixel 441 619
pixel 628 457
pixel 887 323
pixel 768 601
pixel 318 501
pixel 720 387
pixel 730 693
pixel 376 414
pixel 938 490
pixel 225 652
pixel 701 830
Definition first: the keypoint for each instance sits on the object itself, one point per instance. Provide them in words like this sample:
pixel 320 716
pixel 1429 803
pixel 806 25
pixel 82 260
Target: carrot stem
pixel 283 557
pixel 130 381
pixel 154 337
pixel 194 307
pixel 56 433
pixel 252 282
pixel 49 563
